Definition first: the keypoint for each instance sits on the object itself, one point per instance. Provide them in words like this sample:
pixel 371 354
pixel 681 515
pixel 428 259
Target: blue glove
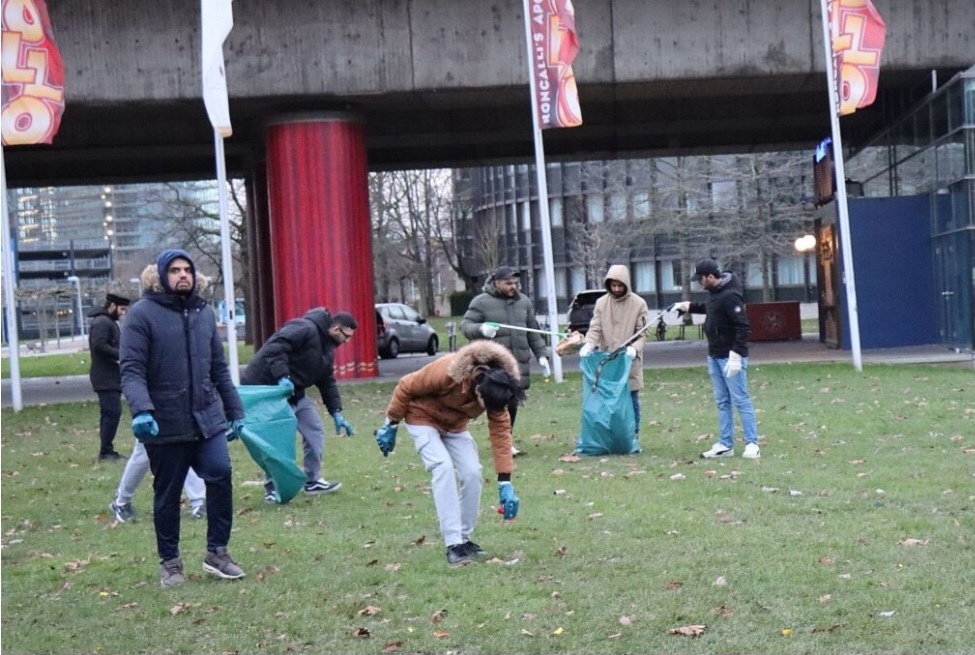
pixel 286 383
pixel 386 437
pixel 342 424
pixel 509 501
pixel 236 427
pixel 144 425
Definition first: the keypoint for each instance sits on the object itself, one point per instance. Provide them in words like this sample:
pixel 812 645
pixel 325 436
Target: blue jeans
pixel 170 462
pixel 731 394
pixel 635 397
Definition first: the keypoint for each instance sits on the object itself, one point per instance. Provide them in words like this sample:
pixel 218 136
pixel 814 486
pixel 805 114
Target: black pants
pixel 210 458
pixel 110 403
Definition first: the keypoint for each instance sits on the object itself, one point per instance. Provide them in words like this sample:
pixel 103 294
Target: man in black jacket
pixel 184 407
pixel 106 380
pixel 727 329
pixel 299 355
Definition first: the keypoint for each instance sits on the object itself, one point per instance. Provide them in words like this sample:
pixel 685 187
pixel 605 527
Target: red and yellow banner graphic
pixel 857 32
pixel 33 75
pixel 554 45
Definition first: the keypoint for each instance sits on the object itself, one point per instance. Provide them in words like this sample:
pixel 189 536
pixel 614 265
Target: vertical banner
pixel 33 75
pixel 553 46
pixel 217 20
pixel 857 32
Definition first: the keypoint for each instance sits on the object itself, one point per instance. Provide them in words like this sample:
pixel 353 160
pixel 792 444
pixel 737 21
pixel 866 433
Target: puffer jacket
pixel 726 322
pixel 173 365
pixel 614 320
pixel 302 350
pixel 440 395
pixel 103 342
pixel 492 306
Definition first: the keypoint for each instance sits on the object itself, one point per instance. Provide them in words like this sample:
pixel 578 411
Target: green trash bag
pixel 608 425
pixel 269 435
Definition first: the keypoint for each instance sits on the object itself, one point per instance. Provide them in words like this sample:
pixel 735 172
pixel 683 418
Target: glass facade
pixel 931 150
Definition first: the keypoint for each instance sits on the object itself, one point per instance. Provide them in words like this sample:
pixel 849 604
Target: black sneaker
pixel 458 555
pixel 123 513
pixel 110 457
pixel 474 550
pixel 321 486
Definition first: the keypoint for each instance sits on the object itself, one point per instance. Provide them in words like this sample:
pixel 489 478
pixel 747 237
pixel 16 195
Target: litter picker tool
pixel 621 349
pixel 498 326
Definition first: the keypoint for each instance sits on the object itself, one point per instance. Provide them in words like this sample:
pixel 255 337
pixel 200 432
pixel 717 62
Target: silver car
pixel 400 329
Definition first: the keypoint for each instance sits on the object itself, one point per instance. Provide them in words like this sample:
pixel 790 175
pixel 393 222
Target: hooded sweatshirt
pixel 614 320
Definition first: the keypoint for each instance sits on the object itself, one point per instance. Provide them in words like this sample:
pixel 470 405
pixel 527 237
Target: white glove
pixel 586 351
pixel 680 307
pixel 631 352
pixel 733 367
pixel 546 369
pixel 488 331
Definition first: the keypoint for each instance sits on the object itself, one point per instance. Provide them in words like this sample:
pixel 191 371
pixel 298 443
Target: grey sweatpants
pixel 456 477
pixel 135 471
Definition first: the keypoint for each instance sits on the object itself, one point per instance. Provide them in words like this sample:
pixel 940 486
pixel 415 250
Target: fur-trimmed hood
pixel 151 282
pixel 482 353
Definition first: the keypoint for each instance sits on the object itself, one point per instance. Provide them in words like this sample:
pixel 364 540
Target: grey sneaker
pixel 171 572
pixel 458 555
pixel 123 513
pixel 222 565
pixel 199 512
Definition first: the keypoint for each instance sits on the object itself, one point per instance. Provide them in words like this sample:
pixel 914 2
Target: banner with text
pixel 857 32
pixel 33 75
pixel 554 45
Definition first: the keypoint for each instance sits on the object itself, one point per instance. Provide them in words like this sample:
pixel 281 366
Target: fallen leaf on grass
pixel 361 633
pixel 392 568
pixel 626 620
pixel 440 634
pixel 615 635
pixel 826 561
pixel 392 646
pixel 369 610
pixel 526 633
pixel 597 515
pixel 825 598
pixel 179 608
pixel 857 462
pixel 887 614
pixel 78 564
pixel 559 630
pixel 720 582
pixel 688 630
pixel 910 543
pixel 438 616
pixel 570 458
pixel 723 611
pixel 419 542
pixel 832 628
pixel 561 551
pixel 786 632
pixel 673 585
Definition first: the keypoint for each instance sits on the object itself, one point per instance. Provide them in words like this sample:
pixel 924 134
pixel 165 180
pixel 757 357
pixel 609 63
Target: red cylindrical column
pixel 321 250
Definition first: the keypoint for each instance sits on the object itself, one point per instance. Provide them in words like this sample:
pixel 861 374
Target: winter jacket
pixel 614 320
pixel 492 306
pixel 103 342
pixel 440 395
pixel 173 364
pixel 726 324
pixel 304 351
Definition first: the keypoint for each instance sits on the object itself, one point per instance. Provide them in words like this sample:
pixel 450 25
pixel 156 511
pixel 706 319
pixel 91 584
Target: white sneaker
pixel 718 450
pixel 752 451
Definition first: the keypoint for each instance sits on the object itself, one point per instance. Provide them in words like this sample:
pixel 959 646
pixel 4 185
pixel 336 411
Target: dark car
pixel 400 329
pixel 581 309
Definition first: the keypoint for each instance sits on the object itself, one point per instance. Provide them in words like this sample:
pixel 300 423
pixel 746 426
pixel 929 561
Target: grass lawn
pixel 855 533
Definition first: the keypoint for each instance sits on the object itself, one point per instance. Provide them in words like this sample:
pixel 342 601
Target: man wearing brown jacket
pixel 618 316
pixel 436 403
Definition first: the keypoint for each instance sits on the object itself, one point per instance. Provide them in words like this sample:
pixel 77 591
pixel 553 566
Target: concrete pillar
pixel 321 250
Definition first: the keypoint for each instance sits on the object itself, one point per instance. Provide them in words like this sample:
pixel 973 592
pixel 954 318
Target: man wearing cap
pixel 502 303
pixel 726 326
pixel 106 381
pixel 184 407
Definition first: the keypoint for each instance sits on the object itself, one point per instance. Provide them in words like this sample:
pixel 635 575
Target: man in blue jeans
pixel 726 326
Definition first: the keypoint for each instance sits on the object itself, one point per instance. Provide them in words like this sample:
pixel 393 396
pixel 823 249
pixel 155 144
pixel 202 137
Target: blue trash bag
pixel 269 435
pixel 608 424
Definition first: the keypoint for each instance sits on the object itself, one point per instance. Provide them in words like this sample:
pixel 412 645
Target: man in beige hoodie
pixel 618 316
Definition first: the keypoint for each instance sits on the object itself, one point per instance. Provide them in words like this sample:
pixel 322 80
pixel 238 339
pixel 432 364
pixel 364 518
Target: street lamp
pixel 81 320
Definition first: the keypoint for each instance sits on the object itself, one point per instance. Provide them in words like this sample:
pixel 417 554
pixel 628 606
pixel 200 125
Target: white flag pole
pixel 846 246
pixel 217 20
pixel 545 221
pixel 13 341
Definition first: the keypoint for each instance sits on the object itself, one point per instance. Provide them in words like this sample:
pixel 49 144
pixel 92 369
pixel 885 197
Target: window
pixel 644 277
pixel 641 205
pixel 617 207
pixel 542 283
pixel 555 212
pixel 790 271
pixel 670 277
pixel 409 314
pixel 578 279
pixel 526 217
pixel 594 208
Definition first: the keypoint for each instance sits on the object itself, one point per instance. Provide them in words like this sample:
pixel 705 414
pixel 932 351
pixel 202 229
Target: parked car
pixel 400 329
pixel 581 309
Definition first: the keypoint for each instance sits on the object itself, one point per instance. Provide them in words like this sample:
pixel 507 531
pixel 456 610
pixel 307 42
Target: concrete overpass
pixel 444 82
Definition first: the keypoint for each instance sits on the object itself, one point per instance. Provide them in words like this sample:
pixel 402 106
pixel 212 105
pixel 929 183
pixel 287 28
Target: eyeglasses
pixel 347 334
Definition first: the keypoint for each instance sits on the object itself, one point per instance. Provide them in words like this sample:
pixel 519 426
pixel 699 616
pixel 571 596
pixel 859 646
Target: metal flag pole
pixel 846 247
pixel 543 215
pixel 13 341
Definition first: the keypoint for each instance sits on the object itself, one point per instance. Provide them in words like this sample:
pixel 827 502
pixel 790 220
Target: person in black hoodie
pixel 185 407
pixel 299 355
pixel 727 329
pixel 106 379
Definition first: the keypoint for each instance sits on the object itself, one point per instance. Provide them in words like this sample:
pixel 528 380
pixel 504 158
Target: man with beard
pixel 184 407
pixel 619 315
pixel 106 379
